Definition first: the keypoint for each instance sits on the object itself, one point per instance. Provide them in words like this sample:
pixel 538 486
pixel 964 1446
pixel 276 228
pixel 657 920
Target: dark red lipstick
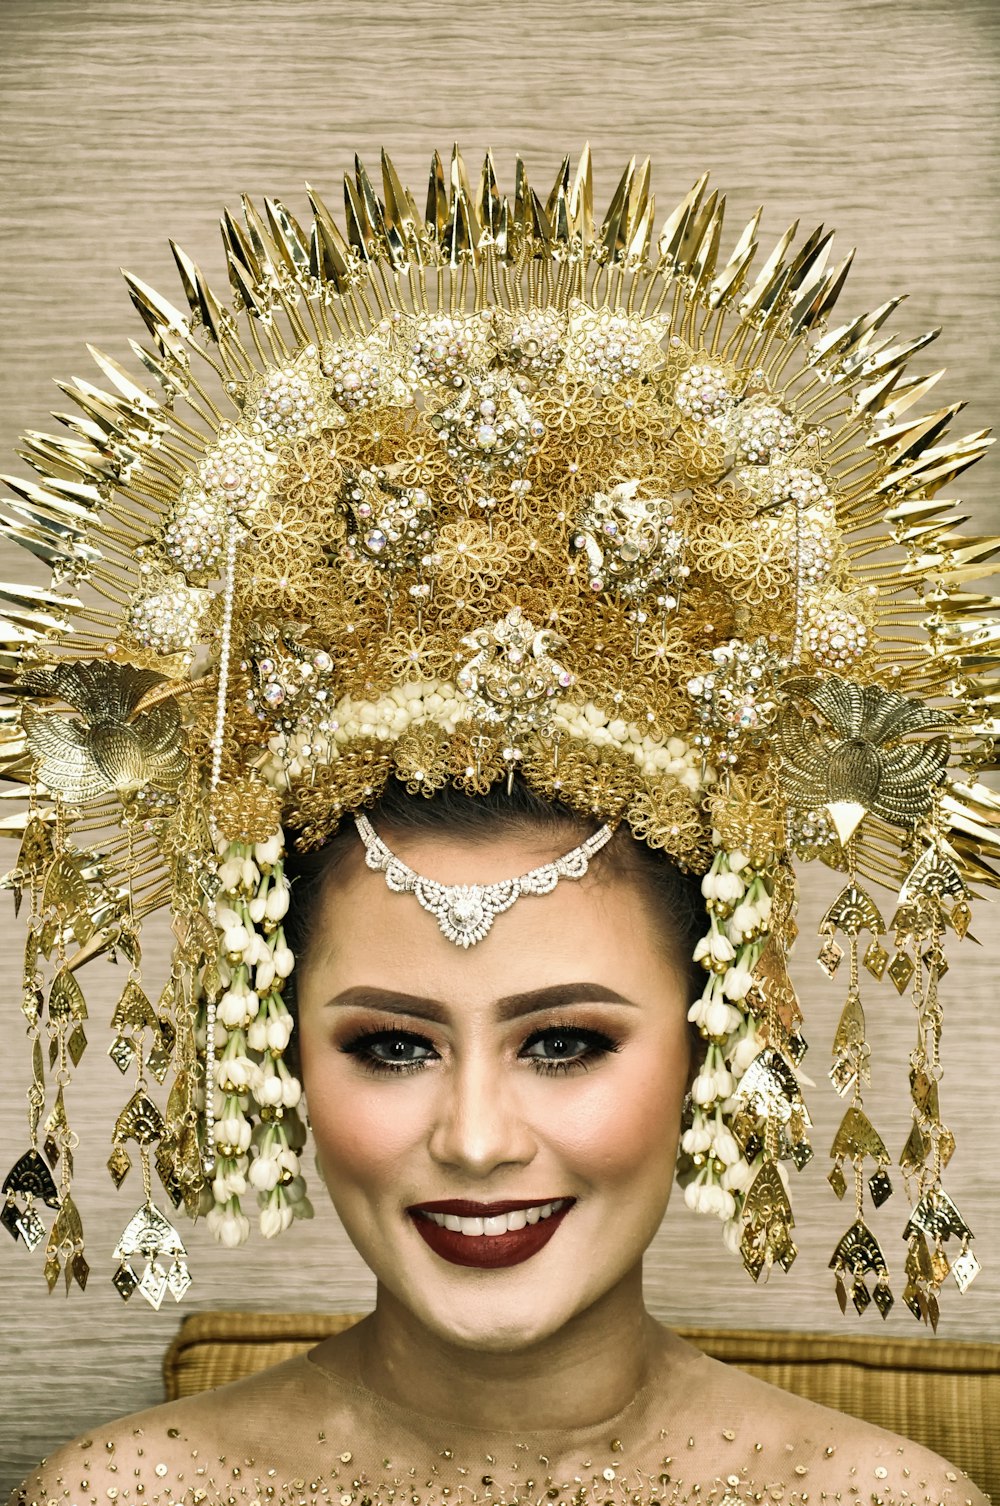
pixel 487 1251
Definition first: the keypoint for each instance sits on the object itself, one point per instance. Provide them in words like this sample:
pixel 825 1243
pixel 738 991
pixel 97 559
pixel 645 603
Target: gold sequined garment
pixel 309 1431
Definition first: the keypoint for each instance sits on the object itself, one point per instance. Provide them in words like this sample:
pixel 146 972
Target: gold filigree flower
pixel 862 765
pixel 114 747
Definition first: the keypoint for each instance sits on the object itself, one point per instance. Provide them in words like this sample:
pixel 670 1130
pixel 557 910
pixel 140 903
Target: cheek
pixel 362 1126
pixel 623 1125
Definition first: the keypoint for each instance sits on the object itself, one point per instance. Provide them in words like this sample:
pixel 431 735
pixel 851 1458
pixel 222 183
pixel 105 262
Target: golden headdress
pixel 454 496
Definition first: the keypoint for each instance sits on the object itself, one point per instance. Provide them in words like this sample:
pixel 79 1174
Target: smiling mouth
pixel 488 1235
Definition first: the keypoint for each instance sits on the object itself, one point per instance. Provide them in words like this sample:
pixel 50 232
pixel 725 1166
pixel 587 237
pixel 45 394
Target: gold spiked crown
pixel 487 492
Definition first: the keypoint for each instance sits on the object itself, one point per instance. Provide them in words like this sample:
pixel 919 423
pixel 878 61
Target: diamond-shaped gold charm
pixel 961 917
pixel 81 1270
pixel 178 1279
pixel 843 1074
pixel 883 1298
pixel 121 1052
pixel 119 1164
pixel 879 1186
pixel 837 1180
pixel 830 956
pixel 965 1268
pixel 153 1285
pixel 50 1270
pixel 31 1228
pixel 124 1281
pixel 77 1044
pixel 860 1295
pixel 876 958
pixel 940 1265
pixel 158 1062
pixel 900 971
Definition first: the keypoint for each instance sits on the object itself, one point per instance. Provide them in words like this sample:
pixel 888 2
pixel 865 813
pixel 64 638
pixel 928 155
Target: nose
pixel 479 1124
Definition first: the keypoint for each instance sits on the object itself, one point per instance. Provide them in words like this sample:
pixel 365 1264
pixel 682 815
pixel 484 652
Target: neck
pixel 585 1373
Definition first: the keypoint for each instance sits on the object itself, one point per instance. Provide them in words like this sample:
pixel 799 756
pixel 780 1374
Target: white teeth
pixel 500 1223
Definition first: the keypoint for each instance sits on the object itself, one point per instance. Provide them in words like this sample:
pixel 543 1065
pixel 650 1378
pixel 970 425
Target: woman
pixel 483 675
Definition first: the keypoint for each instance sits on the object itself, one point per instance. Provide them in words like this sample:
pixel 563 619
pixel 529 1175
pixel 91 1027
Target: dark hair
pixel 673 895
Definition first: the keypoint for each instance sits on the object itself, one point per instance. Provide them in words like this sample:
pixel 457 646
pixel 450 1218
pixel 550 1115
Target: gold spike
pixel 402 222
pixel 490 202
pixel 436 214
pixel 289 238
pixel 613 233
pixel 727 284
pixel 581 201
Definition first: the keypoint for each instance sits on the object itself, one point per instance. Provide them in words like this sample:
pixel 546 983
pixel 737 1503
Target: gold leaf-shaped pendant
pixel 858 1138
pixel 66 1001
pixel 139 1120
pixel 852 912
pixel 133 1010
pixel 65 889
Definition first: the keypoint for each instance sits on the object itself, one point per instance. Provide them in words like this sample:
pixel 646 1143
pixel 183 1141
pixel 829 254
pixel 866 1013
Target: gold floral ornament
pixel 631 545
pixel 858 763
pixel 512 676
pixel 114 747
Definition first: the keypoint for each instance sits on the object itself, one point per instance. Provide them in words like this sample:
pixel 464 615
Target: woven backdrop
pixel 125 121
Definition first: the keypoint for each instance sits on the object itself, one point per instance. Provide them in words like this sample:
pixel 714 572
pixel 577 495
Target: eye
pixel 390 1050
pixel 564 1048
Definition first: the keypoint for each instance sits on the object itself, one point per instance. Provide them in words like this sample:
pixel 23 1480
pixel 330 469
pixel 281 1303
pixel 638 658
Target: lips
pixel 488 1235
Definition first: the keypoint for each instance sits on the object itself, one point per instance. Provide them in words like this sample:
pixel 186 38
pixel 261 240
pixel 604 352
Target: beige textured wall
pixel 125 121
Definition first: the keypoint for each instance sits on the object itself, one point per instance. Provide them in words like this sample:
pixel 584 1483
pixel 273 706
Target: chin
pixel 493 1327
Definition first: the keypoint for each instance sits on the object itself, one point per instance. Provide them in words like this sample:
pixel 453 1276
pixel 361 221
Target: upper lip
pixel 463 1208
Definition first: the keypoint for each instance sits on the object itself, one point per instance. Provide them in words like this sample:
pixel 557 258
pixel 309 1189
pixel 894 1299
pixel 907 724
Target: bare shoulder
pixel 816 1452
pixel 178 1452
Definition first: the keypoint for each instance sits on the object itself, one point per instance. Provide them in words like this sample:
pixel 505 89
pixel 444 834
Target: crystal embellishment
pixel 466 912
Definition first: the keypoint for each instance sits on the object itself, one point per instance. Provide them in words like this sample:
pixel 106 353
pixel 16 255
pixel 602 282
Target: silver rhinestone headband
pixel 466 912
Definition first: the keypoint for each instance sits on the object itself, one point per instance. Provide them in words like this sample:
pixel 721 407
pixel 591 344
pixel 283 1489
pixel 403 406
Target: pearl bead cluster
pixel 170 621
pixel 445 347
pixel 704 392
pixel 760 431
pixel 834 634
pixel 194 535
pixel 357 370
pixel 236 473
pixel 534 343
pixel 286 406
pixel 608 348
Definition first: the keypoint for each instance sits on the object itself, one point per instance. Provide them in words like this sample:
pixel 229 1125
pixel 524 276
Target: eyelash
pixel 597 1044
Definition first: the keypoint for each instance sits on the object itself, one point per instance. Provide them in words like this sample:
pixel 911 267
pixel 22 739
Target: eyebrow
pixel 510 1007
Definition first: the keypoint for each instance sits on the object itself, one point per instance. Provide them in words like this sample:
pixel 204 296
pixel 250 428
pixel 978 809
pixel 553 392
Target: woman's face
pixel 498 1125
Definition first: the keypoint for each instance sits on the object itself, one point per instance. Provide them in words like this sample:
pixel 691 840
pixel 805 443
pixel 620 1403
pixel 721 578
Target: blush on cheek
pixel 624 1130
pixel 357 1136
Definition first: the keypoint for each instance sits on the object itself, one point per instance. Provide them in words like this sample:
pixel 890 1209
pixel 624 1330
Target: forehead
pixel 596 928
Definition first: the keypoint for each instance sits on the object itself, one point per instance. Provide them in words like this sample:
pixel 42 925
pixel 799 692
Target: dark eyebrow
pixel 511 1007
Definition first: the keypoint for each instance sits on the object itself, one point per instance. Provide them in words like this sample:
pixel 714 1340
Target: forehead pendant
pixel 466 912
